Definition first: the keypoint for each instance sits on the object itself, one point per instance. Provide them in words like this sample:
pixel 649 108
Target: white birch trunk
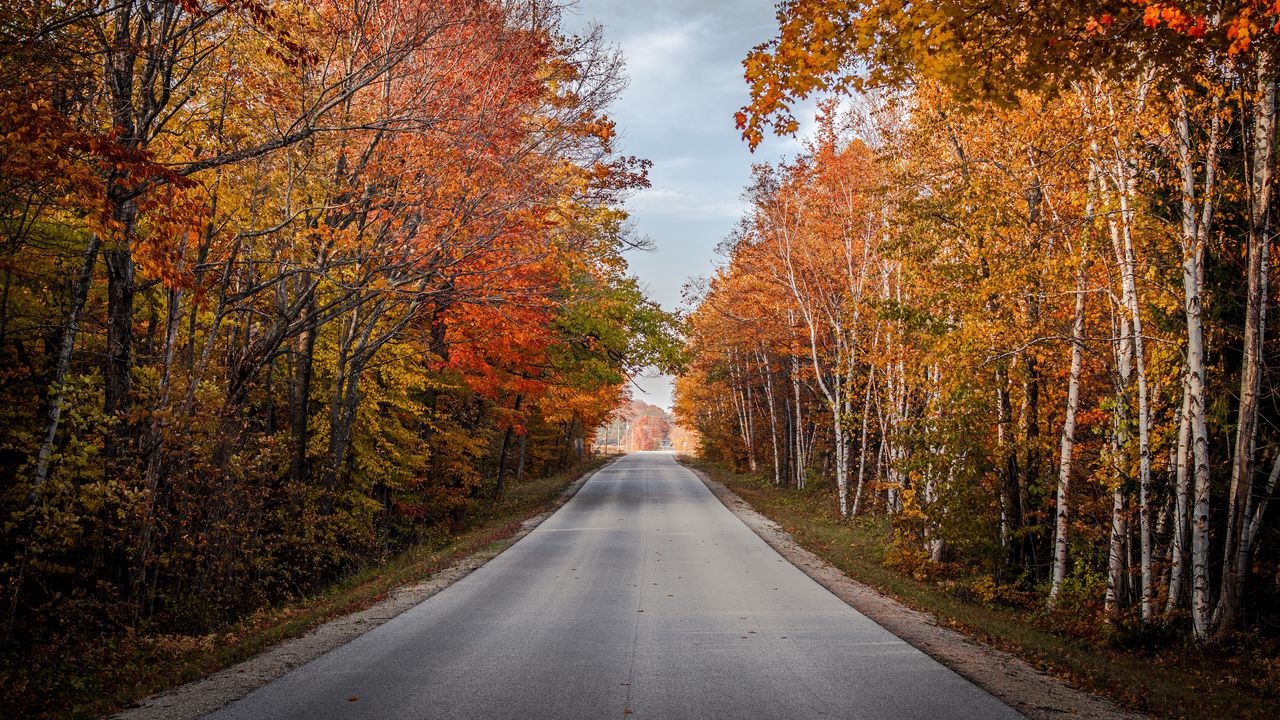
pixel 862 444
pixel 1062 518
pixel 1182 492
pixel 1196 223
pixel 1235 550
pixel 767 371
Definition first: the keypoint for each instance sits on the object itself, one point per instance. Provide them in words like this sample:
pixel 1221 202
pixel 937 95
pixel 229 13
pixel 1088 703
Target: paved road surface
pixel 642 594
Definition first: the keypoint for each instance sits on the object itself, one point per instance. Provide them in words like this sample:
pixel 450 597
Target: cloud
pixel 656 53
pixel 674 163
pixel 671 202
pixel 684 61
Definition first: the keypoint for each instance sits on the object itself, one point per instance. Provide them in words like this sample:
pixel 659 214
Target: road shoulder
pixel 1031 692
pixel 201 697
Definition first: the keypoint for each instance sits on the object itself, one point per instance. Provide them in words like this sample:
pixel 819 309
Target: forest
pixel 636 426
pixel 1014 297
pixel 289 287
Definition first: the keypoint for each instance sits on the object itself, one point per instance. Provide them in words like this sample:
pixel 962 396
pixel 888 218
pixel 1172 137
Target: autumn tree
pixel 291 286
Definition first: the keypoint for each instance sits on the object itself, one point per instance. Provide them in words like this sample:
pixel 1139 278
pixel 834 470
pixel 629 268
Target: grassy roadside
pixel 118 671
pixel 1240 681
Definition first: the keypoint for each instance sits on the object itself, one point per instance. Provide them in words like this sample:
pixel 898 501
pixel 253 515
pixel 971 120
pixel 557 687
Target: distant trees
pixel 635 426
pixel 285 285
pixel 1047 345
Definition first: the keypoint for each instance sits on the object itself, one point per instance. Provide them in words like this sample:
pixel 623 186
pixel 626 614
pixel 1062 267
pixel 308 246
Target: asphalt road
pixel 643 596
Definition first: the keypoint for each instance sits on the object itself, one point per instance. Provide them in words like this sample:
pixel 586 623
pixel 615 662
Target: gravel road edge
pixel 201 697
pixel 1034 693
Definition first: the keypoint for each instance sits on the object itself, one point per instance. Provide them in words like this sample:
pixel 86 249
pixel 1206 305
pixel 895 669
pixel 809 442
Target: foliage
pixel 1014 295
pixel 1167 678
pixel 289 287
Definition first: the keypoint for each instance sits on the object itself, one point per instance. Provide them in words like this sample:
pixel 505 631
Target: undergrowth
pixel 1154 670
pixel 103 674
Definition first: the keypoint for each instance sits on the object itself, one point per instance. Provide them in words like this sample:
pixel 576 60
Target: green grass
pixel 116 671
pixel 1173 679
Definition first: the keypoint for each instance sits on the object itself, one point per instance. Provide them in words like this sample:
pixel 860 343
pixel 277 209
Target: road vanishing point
pixel 642 597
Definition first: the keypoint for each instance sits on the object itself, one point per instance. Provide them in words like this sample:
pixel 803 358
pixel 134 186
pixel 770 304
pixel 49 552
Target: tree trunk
pixel 500 489
pixel 1182 491
pixel 1235 552
pixel 524 445
pixel 1117 556
pixel 154 451
pixel 1196 223
pixel 842 467
pixel 1144 409
pixel 1061 521
pixel 117 375
pixel 767 372
pixel 62 366
pixel 1010 510
pixel 799 423
pixel 300 400
pixel 748 404
pixel 862 444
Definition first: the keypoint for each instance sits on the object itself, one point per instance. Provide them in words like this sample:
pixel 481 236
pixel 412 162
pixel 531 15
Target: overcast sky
pixel 684 64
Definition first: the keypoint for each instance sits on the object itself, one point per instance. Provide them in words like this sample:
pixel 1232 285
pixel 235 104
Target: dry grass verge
pixel 1166 681
pixel 116 672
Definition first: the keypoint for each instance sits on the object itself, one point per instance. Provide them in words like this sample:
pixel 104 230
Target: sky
pixel 683 60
